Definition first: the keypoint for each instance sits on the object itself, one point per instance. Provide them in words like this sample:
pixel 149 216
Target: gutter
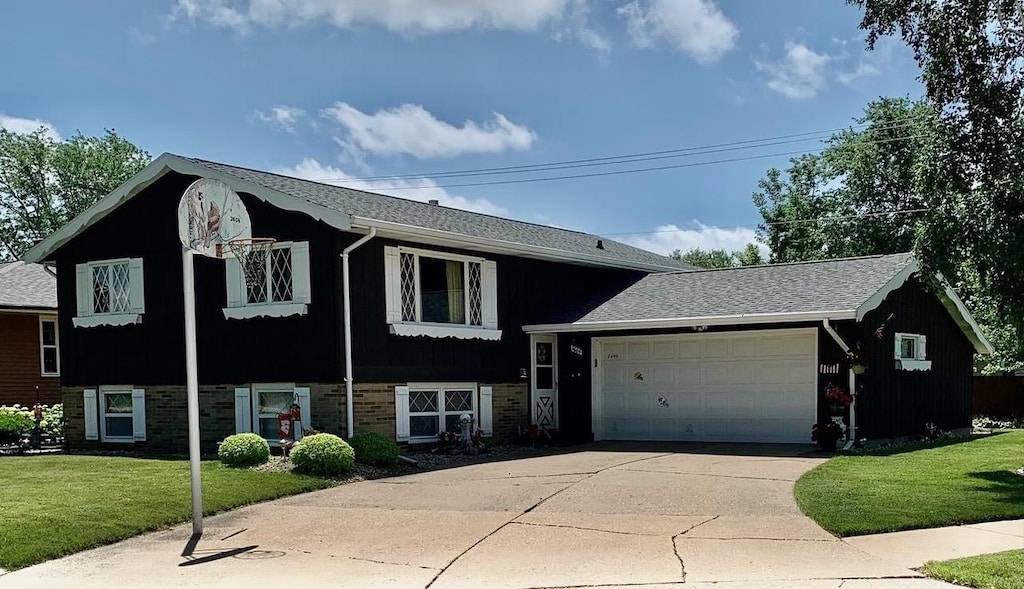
pixel 669 322
pixel 349 415
pixel 852 384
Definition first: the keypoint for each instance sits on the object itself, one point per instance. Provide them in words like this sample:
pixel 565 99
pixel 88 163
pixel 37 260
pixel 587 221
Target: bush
pixel 323 455
pixel 244 450
pixel 53 420
pixel 374 448
pixel 14 422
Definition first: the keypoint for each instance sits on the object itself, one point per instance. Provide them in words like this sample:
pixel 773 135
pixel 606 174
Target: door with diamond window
pixel 544 384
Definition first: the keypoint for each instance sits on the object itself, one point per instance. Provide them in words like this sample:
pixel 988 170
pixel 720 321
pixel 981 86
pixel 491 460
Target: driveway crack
pixel 675 545
pixel 403 564
pixel 711 474
pixel 584 528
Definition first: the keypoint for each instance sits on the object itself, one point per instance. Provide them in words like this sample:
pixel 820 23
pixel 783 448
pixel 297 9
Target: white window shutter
pixel 401 412
pixel 137 283
pixel 922 352
pixel 392 284
pixel 233 282
pixel 899 338
pixel 305 412
pixel 83 288
pixel 486 411
pixel 243 410
pixel 300 272
pixel 92 424
pixel 490 294
pixel 139 415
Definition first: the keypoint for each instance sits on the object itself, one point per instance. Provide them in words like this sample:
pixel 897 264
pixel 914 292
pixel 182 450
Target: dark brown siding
pixel 21 379
pixel 895 403
pixel 289 349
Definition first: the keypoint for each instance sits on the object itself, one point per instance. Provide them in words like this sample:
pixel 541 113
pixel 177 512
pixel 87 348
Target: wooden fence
pixel 999 396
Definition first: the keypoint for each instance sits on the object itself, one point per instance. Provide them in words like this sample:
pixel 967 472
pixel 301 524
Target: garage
pixel 744 386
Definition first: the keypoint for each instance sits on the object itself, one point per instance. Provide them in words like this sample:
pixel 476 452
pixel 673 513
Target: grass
pixel 1002 570
pixel 51 506
pixel 947 483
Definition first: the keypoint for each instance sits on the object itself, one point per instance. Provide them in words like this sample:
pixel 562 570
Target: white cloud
pixel 667 238
pixel 411 129
pixel 695 27
pixel 404 16
pixel 863 70
pixel 284 116
pixel 421 189
pixel 25 126
pixel 800 74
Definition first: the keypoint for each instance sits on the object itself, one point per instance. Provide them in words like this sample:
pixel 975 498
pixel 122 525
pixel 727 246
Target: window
pixel 109 292
pixel 276 288
pixel 258 409
pixel 49 354
pixel 436 408
pixel 911 352
pixel 269 405
pixel 117 413
pixel 440 294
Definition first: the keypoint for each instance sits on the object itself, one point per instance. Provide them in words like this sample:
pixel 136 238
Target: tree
pixel 861 195
pixel 44 183
pixel 719 258
pixel 970 56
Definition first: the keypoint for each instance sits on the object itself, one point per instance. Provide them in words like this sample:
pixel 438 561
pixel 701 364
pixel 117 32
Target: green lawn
pixel 1002 570
pixel 923 487
pixel 51 506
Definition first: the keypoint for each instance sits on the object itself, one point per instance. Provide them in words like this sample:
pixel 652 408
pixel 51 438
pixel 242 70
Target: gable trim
pixel 668 323
pixel 44 250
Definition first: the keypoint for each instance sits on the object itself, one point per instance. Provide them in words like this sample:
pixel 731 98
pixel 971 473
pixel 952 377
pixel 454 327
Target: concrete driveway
pixel 603 515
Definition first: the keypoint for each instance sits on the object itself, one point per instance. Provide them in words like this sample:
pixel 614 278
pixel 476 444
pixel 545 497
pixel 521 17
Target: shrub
pixel 14 422
pixel 244 450
pixel 374 448
pixel 53 420
pixel 323 455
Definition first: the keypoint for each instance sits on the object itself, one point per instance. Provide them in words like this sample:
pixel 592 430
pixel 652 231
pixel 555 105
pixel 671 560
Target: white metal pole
pixel 192 385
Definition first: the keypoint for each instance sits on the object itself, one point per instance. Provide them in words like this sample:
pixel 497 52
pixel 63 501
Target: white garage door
pixel 752 386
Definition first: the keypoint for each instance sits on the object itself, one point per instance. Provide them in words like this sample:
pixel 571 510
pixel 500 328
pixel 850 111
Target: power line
pixel 634 157
pixel 775 223
pixel 631 171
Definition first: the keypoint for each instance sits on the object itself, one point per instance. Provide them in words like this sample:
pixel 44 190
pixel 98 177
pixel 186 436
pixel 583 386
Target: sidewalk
pixel 913 548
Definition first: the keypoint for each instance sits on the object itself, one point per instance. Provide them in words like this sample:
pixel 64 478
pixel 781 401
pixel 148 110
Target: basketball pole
pixel 192 385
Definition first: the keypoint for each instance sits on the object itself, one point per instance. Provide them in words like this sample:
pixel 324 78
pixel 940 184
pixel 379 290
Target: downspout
pixel 347 294
pixel 853 383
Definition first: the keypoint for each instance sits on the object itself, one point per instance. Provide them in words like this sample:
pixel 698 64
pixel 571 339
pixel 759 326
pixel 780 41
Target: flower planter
pixel 858 368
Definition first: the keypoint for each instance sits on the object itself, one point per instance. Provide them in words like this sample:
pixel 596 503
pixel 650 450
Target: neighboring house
pixel 29 335
pixel 455 312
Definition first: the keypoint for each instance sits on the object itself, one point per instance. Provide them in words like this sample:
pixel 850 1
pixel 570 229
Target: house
pixel 29 335
pixel 453 312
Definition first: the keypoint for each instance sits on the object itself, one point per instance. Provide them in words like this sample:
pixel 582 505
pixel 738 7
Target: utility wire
pixel 630 171
pixel 634 157
pixel 775 223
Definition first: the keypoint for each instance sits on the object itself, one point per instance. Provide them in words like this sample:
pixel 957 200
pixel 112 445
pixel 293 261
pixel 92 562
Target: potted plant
pixel 838 399
pixel 858 359
pixel 826 434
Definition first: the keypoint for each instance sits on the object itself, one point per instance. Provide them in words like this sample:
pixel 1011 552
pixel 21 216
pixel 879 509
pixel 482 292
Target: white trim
pixel 536 338
pixel 265 310
pixel 346 284
pixel 440 388
pixel 117 319
pixel 597 356
pixel 745 319
pixel 439 254
pixel 914 365
pixel 28 310
pixel 90 411
pixel 963 317
pixel 154 171
pixel 269 387
pixel 894 283
pixel 445 330
pixel 102 413
pixel 43 346
pixel 485 244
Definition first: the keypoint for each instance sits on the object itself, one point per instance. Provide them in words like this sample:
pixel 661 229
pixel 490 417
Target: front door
pixel 544 383
pixel 574 415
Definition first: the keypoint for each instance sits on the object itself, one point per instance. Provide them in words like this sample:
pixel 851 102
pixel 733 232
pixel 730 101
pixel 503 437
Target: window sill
pixel 914 365
pixel 118 440
pixel 275 310
pixel 112 320
pixel 50 375
pixel 456 331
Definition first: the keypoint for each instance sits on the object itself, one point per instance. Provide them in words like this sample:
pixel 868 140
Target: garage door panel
pixel 750 386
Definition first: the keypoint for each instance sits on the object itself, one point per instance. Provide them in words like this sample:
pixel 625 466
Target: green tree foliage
pixel 971 57
pixel 44 183
pixel 719 258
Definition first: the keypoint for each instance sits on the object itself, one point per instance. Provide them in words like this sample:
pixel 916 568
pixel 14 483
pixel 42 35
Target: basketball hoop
pixel 251 254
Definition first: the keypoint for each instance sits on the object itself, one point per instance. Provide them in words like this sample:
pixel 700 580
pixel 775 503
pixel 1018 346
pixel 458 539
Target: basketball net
pixel 252 257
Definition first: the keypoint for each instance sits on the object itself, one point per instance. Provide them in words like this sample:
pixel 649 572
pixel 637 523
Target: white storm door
pixel 544 382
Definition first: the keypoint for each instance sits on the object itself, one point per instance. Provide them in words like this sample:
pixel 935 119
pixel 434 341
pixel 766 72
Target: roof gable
pixel 27 286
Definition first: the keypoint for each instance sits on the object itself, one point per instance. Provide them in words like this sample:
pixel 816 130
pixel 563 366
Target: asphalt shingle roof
pixel 392 209
pixel 832 285
pixel 27 285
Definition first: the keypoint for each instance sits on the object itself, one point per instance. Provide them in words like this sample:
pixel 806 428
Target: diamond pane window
pixel 118 402
pixel 120 291
pixel 101 289
pixel 423 426
pixel 117 415
pixel 281 274
pixel 423 402
pixel 256 284
pixel 270 404
pixel 458 401
pixel 408 263
pixel 431 409
pixel 476 316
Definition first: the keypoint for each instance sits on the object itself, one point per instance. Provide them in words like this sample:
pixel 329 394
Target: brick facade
pixel 374 404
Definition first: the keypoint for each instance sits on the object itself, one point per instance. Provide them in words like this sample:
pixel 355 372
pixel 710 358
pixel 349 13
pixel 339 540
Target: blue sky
pixel 343 89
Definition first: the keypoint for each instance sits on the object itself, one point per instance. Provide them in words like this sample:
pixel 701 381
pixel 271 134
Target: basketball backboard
pixel 211 214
